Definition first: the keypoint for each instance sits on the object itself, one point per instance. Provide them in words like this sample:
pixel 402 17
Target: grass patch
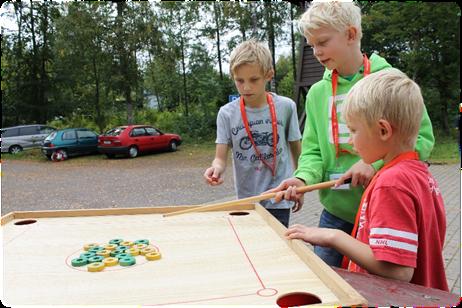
pixel 446 150
pixel 190 146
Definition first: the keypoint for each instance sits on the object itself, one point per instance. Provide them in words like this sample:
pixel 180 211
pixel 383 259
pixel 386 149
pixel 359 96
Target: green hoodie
pixel 318 160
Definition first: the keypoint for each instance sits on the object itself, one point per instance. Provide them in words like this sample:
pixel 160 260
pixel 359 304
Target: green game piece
pixel 115 253
pixel 95 259
pixel 142 242
pixel 116 241
pixel 87 255
pixel 95 249
pixel 127 261
pixel 79 262
pixel 122 255
pixel 122 249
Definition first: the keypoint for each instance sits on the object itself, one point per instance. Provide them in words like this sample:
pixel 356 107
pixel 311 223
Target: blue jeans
pixel 281 214
pixel 330 255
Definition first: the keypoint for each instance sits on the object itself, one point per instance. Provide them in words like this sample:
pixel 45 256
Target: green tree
pixel 422 39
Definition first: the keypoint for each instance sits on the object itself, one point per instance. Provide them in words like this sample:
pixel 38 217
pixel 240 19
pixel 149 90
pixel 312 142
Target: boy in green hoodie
pixel 333 29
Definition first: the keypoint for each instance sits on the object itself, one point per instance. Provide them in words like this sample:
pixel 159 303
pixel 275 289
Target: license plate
pixel 107 142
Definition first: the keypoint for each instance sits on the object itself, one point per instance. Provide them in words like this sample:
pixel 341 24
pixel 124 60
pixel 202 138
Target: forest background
pixel 102 64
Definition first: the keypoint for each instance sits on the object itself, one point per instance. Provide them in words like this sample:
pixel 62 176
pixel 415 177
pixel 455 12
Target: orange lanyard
pixel 367 70
pixel 274 125
pixel 370 187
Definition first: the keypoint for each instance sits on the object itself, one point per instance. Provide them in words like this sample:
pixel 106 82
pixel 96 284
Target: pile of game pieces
pixel 116 252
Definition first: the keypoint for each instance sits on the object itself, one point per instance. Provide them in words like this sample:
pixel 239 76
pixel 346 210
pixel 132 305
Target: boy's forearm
pixel 361 254
pixel 219 163
pixel 295 150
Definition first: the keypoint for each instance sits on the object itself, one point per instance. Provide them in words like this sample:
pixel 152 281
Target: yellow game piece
pixel 151 256
pixel 95 267
pixel 126 243
pixel 140 246
pixel 146 250
pixel 104 253
pixel 110 261
pixel 133 251
pixel 110 246
pixel 88 246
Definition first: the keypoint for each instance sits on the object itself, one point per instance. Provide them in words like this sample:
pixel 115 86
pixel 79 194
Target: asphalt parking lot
pixel 170 179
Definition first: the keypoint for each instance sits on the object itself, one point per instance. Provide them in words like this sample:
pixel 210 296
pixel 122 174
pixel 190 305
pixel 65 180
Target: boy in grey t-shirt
pixel 260 128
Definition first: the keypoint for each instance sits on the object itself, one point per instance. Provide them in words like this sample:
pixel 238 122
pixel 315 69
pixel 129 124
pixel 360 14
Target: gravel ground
pixel 158 179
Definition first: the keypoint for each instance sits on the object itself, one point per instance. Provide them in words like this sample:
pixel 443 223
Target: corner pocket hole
pixel 25 222
pixel 239 213
pixel 296 299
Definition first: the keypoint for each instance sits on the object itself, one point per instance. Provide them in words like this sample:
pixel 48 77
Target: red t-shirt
pixel 403 221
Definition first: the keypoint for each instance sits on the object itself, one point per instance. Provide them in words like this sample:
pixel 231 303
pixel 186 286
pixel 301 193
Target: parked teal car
pixel 61 144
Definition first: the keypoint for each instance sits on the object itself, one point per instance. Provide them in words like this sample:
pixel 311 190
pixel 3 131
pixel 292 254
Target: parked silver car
pixel 17 138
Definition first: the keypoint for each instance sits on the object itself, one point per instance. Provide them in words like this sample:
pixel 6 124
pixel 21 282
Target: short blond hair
pixel 251 52
pixel 335 14
pixel 390 95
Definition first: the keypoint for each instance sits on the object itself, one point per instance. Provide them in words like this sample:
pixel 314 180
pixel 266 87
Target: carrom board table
pixel 233 256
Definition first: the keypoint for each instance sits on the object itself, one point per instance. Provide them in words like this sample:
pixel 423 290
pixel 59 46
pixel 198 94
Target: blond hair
pixel 390 95
pixel 335 14
pixel 251 52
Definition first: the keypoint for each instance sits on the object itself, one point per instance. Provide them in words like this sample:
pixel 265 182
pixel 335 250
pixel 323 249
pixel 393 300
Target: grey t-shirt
pixel 251 176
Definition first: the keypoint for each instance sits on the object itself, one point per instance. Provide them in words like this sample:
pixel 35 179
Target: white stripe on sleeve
pixel 394 232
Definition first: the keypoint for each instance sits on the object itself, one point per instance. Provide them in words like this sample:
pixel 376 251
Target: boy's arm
pixel 213 175
pixel 360 253
pixel 295 150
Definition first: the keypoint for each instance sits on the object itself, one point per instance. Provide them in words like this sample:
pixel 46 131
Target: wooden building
pixel 309 71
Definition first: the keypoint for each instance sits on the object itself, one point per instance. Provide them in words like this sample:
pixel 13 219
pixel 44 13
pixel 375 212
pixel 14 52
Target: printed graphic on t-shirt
pixel 263 138
pixel 433 186
pixel 362 216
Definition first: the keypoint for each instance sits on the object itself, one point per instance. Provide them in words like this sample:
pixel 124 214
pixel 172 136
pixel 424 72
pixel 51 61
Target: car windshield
pixel 115 131
pixel 51 136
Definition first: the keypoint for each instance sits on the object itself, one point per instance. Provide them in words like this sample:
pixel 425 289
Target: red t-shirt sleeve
pixel 393 232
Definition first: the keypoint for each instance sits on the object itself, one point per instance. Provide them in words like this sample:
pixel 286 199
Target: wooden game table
pixel 233 256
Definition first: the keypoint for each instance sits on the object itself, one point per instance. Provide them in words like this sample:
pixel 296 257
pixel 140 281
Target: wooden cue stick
pixel 302 189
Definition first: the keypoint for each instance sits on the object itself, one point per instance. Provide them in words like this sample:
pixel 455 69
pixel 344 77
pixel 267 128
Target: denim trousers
pixel 330 255
pixel 281 214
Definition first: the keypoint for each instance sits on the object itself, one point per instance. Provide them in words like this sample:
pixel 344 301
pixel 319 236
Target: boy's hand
pixel 360 174
pixel 213 176
pixel 315 236
pixel 287 190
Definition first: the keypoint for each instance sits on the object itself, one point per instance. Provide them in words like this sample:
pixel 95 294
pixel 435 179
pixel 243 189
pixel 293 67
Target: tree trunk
pixel 99 116
pixel 292 37
pixel 124 60
pixel 217 23
pixel 183 65
pixel 271 41
pixel 37 89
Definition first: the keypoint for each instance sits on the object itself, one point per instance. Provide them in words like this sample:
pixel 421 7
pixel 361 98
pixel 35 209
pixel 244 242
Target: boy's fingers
pixel 278 196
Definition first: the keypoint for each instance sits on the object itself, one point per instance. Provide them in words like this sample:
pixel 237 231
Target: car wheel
pixel 133 151
pixel 173 146
pixel 110 155
pixel 59 155
pixel 15 149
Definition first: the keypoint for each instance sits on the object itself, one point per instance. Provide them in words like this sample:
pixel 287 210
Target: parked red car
pixel 131 140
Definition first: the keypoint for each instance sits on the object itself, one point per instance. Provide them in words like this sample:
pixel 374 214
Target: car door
pixel 155 138
pixel 9 136
pixel 69 141
pixel 140 138
pixel 87 141
pixel 27 137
